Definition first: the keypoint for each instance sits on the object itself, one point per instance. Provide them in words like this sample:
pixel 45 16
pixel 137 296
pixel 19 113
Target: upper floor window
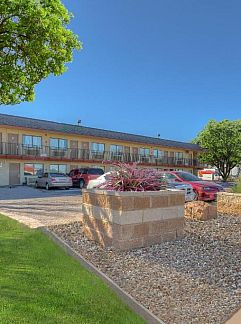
pixel 58 143
pixel 116 148
pixel 179 155
pixel 144 151
pixel 32 141
pixel 158 153
pixel 98 147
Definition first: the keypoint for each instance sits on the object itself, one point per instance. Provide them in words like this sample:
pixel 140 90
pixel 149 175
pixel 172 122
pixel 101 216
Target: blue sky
pixel 147 67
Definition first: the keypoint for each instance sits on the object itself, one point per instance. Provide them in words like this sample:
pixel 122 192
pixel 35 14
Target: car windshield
pixel 187 176
pixel 96 171
pixel 56 175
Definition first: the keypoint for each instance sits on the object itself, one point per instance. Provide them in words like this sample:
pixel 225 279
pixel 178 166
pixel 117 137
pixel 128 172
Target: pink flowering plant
pixel 128 177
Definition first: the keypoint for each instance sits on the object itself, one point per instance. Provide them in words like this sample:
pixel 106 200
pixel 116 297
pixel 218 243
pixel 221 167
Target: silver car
pixel 53 180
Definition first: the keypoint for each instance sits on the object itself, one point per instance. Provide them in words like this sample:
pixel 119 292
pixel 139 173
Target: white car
pixel 98 181
pixel 189 193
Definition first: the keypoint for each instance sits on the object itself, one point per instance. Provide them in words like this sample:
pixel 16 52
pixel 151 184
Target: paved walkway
pixel 36 208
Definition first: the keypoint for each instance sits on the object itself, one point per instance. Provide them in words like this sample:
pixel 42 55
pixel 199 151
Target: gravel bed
pixel 194 280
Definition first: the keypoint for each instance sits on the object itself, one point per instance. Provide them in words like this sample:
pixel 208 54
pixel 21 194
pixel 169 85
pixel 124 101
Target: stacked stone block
pixel 229 203
pixel 200 210
pixel 126 220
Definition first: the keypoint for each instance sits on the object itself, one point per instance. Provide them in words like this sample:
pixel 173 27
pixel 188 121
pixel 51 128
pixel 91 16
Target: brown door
pixel 12 144
pixel 85 151
pixel 171 159
pixel 127 157
pixel 166 157
pixel 73 149
pixel 14 173
pixel 135 155
pixel 189 161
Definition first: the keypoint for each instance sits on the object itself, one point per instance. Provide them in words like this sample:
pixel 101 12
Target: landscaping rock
pixel 194 280
pixel 200 210
pixel 229 203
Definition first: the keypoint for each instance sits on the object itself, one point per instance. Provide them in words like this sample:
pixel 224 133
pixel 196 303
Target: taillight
pixel 53 179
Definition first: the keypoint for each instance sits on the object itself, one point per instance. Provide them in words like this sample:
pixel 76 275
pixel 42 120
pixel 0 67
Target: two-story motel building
pixel 30 146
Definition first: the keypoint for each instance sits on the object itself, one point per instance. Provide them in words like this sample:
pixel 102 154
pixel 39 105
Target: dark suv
pixel 82 176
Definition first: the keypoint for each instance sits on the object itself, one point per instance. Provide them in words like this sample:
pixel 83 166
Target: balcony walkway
pixel 47 153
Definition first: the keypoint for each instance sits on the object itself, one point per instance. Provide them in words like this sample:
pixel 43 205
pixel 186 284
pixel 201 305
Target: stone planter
pixel 126 220
pixel 200 210
pixel 229 203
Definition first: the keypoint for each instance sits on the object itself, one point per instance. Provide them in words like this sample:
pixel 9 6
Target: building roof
pixel 17 121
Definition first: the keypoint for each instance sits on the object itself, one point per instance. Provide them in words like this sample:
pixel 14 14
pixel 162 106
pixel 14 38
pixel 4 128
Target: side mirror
pixel 177 180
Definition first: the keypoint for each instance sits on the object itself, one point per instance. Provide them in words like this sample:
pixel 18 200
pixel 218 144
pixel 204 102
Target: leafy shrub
pixel 237 186
pixel 128 177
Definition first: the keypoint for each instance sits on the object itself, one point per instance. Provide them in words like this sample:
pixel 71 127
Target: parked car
pixel 53 180
pixel 82 176
pixel 205 190
pixel 171 185
pixel 98 181
pixel 190 195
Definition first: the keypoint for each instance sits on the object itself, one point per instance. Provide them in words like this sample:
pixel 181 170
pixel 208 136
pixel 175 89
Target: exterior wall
pixel 4 173
pixel 4 169
pixel 229 203
pixel 46 161
pixel 126 220
pixel 82 139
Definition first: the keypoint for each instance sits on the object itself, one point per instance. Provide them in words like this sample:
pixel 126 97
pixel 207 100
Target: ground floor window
pixel 58 168
pixel 33 169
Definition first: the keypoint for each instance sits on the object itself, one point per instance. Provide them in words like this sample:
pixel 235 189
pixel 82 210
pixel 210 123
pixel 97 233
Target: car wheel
pixel 47 186
pixel 66 188
pixel 81 183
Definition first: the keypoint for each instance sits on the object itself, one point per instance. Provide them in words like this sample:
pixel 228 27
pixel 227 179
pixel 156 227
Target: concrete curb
pixel 125 297
pixel 235 317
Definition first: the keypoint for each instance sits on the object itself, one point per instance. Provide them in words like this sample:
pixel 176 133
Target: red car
pixel 205 190
pixel 82 176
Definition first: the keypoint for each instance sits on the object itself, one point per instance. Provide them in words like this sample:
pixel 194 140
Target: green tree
pixel 34 42
pixel 221 144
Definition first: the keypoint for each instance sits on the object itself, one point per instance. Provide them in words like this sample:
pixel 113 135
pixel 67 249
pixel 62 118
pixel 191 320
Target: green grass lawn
pixel 237 187
pixel 40 283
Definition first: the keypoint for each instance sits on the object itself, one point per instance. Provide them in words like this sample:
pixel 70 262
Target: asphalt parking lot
pixel 40 207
